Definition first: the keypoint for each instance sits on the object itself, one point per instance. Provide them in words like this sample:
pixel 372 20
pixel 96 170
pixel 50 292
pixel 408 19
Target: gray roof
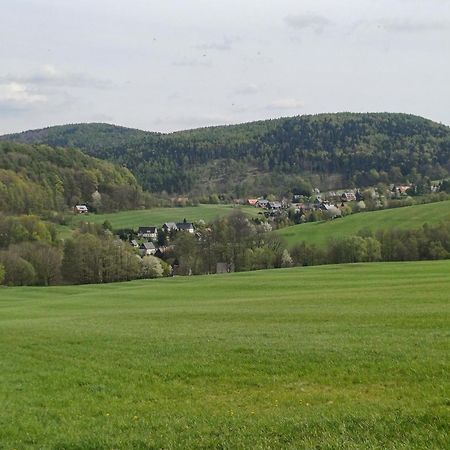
pixel 147 230
pixel 170 225
pixel 148 246
pixel 185 226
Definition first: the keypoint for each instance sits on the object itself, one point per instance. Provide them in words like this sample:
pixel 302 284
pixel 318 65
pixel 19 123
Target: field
pixel 407 217
pixel 157 216
pixel 332 357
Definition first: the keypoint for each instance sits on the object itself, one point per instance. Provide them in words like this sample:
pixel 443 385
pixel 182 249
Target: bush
pixel 151 267
pixel 18 271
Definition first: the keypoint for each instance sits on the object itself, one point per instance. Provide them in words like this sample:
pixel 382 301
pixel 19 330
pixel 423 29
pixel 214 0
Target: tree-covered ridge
pixel 38 178
pixel 266 155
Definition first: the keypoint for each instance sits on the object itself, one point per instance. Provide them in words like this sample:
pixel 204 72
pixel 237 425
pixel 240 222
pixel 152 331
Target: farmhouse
pixel 262 203
pixel 169 226
pixel 331 211
pixel 185 226
pixel 147 248
pixel 400 190
pixel 81 209
pixel 274 205
pixel 348 197
pixel 148 232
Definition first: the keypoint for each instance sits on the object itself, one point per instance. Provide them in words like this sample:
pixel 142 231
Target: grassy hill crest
pixel 408 217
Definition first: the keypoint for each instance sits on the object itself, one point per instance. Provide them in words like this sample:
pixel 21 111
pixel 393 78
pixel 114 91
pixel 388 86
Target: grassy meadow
pixel 406 217
pixel 333 357
pixel 157 216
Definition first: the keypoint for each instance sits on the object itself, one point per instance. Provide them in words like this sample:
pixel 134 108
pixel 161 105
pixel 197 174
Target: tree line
pixel 249 159
pixel 33 256
pixel 244 245
pixel 30 254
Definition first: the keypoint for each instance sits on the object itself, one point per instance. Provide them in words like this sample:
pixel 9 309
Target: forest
pixel 37 179
pixel 273 156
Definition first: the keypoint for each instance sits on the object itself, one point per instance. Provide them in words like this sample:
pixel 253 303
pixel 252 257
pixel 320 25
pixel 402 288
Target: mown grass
pixel 407 217
pixel 350 357
pixel 157 216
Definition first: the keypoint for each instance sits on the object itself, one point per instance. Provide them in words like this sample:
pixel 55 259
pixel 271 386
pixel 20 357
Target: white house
pixel 148 232
pixel 147 248
pixel 81 209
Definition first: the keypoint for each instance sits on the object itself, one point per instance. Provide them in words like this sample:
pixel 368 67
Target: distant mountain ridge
pixel 270 156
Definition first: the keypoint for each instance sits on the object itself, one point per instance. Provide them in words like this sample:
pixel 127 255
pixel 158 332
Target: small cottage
pixel 148 232
pixel 147 248
pixel 185 226
pixel 81 209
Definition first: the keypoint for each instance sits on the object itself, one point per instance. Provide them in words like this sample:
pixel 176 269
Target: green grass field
pixel 406 217
pixel 157 216
pixel 332 357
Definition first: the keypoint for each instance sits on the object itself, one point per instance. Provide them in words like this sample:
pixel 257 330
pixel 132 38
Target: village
pixel 158 240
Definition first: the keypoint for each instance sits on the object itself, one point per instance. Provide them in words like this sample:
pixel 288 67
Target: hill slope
pixel 38 178
pixel 267 156
pixel 157 216
pixel 254 360
pixel 408 217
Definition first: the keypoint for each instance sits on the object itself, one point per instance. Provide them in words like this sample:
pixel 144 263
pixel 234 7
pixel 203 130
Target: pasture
pixel 406 217
pixel 157 216
pixel 349 356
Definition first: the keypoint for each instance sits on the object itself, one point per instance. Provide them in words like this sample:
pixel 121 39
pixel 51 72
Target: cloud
pixel 15 97
pixel 192 62
pixel 412 25
pixel 100 117
pixel 308 21
pixel 246 89
pixel 402 25
pixel 285 103
pixel 225 45
pixel 50 76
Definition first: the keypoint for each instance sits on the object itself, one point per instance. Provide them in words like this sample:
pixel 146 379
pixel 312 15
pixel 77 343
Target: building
pixel 147 248
pixel 348 197
pixel 169 226
pixel 262 203
pixel 330 211
pixel 81 209
pixel 274 205
pixel 148 232
pixel 185 226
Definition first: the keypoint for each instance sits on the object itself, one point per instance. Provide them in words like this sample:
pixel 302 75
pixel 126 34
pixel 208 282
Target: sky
pixel 178 64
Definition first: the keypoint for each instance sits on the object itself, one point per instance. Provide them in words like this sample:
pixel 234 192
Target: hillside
pixel 408 217
pixel 157 216
pixel 351 356
pixel 273 156
pixel 38 178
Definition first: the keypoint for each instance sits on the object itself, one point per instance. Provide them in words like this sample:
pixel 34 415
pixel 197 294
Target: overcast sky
pixel 174 64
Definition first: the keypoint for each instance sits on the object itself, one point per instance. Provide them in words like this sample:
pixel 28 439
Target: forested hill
pixel 38 178
pixel 329 150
